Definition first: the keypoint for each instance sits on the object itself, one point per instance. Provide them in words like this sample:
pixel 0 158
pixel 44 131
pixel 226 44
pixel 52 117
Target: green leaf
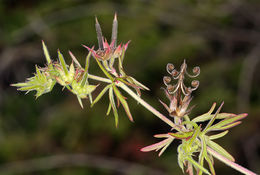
pixel 165 147
pixel 206 116
pixel 210 163
pixel 228 123
pixel 213 118
pixel 80 102
pixel 104 70
pixel 113 105
pixel 123 102
pixel 183 135
pixel 138 83
pixel 85 76
pixel 100 95
pixel 194 136
pixel 46 53
pixel 220 150
pixel 108 109
pixel 120 63
pixel 203 153
pixel 196 164
pixel 216 136
pixel 63 63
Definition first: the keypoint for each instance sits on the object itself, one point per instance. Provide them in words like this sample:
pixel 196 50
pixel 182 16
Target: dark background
pixel 53 135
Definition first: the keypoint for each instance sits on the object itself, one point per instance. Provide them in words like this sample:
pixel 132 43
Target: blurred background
pixel 54 136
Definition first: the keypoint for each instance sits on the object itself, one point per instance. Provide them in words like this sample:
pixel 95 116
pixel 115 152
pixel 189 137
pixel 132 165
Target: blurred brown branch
pixel 77 160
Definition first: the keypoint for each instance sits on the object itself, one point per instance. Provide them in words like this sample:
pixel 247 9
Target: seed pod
pixel 169 68
pixel 174 73
pixel 166 80
pixel 170 88
pixel 196 70
pixel 194 83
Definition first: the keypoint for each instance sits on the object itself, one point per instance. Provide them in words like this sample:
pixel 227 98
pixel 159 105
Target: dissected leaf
pixel 113 105
pixel 46 53
pixel 183 135
pixel 100 95
pixel 216 136
pixel 229 122
pixel 123 102
pixel 216 147
pixel 63 63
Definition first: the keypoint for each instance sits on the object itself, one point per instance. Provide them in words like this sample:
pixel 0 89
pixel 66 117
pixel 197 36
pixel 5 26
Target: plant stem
pixel 149 107
pixel 230 163
pixel 94 77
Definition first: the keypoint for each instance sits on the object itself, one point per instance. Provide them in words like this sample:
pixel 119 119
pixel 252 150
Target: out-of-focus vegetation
pixel 53 135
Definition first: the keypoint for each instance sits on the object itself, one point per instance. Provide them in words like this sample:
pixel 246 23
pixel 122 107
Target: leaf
pixel 194 136
pixel 74 59
pixel 161 135
pixel 123 102
pixel 211 167
pixel 205 116
pixel 80 102
pixel 139 84
pixel 203 153
pixel 108 109
pixel 184 135
pixel 112 102
pixel 63 63
pixel 196 164
pixel 156 146
pixel 220 150
pixel 100 95
pixel 216 136
pixel 229 122
pixel 165 147
pixel 46 53
pixel 104 70
pixel 213 118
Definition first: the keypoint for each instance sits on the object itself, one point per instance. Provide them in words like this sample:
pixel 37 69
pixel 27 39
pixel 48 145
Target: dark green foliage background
pixel 221 36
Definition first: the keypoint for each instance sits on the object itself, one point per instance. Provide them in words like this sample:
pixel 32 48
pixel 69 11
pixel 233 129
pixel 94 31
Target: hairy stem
pixel 94 77
pixel 149 107
pixel 230 163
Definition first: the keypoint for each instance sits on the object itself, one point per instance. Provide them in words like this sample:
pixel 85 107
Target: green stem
pixel 94 77
pixel 230 163
pixel 149 107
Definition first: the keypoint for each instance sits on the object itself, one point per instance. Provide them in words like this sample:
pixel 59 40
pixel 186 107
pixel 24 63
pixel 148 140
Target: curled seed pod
pixel 170 88
pixel 166 80
pixel 187 90
pixel 196 70
pixel 169 68
pixel 195 83
pixel 174 73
